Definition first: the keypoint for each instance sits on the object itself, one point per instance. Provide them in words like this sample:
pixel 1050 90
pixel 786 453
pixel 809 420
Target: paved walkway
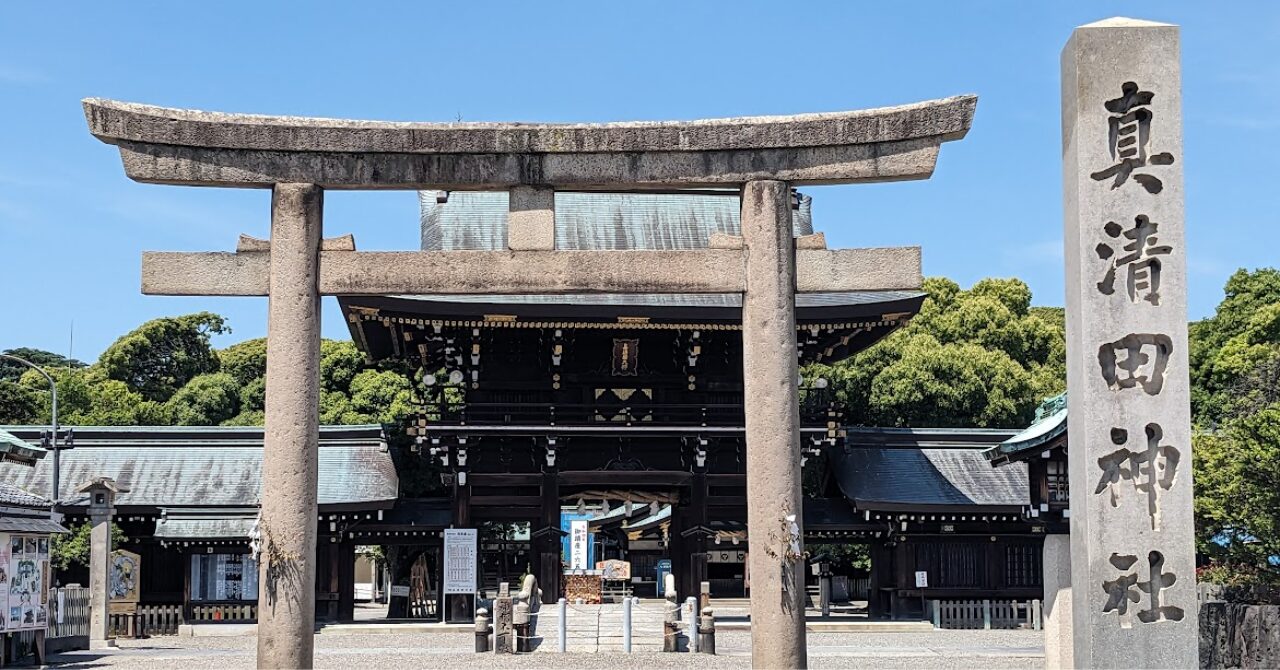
pixel 937 649
pixel 598 628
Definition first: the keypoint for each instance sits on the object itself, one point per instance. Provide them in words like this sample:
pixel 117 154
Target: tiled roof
pixel 471 220
pixel 203 527
pixel 477 221
pixel 16 450
pixel 1045 431
pixel 209 466
pixel 898 477
pixel 15 496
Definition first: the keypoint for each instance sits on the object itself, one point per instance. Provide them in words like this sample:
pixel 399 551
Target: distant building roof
pixel 477 221
pixel 24 512
pixel 1047 430
pixel 927 469
pixel 14 496
pixel 206 525
pixel 210 466
pixel 15 450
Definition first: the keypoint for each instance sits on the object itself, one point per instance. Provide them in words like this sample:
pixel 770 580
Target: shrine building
pixel 621 413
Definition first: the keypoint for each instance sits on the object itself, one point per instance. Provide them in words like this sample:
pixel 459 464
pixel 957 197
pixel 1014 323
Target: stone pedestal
pixel 1132 550
pixel 1056 613
pixel 771 395
pixel 286 612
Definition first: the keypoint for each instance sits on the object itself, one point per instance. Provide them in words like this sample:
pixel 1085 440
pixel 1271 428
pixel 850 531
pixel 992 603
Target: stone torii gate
pixel 299 158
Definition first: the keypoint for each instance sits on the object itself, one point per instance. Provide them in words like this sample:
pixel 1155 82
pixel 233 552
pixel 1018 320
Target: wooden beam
pixel 608 478
pixel 528 272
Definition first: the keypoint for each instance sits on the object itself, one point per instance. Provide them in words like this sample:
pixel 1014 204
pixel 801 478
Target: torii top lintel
pixel 177 146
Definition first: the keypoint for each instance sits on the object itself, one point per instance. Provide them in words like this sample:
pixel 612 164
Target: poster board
pixel 24 576
pixel 614 569
pixel 126 574
pixel 460 561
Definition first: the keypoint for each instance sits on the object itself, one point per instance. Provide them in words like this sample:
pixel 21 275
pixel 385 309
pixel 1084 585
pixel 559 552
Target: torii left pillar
pixel 286 604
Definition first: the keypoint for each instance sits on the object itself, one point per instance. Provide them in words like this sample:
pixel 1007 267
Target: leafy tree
pixel 340 362
pixel 11 370
pixel 1231 348
pixel 206 400
pixel 1237 476
pixel 253 417
pixel 384 395
pixel 68 549
pixel 981 357
pixel 18 404
pixel 162 355
pixel 246 361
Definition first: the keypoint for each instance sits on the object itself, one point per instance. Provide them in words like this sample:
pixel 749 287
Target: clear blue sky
pixel 72 227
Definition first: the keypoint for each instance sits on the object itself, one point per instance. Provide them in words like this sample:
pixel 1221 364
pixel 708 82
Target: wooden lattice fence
pixel 986 614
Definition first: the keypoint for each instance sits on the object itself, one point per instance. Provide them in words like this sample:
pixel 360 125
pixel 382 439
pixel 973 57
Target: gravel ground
pixel 937 649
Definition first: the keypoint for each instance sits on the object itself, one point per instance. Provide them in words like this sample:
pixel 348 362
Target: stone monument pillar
pixel 771 386
pixel 1057 603
pixel 102 497
pixel 1132 552
pixel 286 602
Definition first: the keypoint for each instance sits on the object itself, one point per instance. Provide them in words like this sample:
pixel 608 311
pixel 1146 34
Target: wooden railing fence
pixel 986 614
pixel 148 620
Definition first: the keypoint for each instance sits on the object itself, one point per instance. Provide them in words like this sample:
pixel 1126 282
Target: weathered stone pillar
pixel 1132 552
pixel 773 428
pixel 99 570
pixel 1056 613
pixel 286 612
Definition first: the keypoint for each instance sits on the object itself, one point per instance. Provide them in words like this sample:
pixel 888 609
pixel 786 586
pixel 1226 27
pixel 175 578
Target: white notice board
pixel 922 579
pixel 578 544
pixel 460 561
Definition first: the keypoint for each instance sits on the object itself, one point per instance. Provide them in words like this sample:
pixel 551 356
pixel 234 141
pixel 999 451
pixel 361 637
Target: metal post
pixel 563 606
pixel 626 625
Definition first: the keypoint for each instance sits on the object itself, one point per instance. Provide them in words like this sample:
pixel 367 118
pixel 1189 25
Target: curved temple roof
pixel 159 144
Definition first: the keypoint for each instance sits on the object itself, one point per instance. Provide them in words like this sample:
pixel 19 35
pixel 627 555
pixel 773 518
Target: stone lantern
pixel 102 498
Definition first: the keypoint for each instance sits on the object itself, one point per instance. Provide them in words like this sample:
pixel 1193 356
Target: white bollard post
pixel 626 625
pixel 563 606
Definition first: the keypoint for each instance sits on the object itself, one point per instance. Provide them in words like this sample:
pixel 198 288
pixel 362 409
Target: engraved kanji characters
pixel 1126 588
pixel 1136 360
pixel 1141 259
pixel 1129 131
pixel 1150 470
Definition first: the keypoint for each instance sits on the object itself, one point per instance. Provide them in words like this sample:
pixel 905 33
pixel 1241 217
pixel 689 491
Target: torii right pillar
pixel 1132 543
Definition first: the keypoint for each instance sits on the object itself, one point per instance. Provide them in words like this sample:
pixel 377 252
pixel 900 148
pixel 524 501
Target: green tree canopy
pixel 1237 476
pixel 18 404
pixel 246 361
pixel 206 400
pixel 1233 350
pixel 162 355
pixel 11 370
pixel 981 357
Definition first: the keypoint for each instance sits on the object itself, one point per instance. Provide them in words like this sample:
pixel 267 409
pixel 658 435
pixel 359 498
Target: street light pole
pixel 53 392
